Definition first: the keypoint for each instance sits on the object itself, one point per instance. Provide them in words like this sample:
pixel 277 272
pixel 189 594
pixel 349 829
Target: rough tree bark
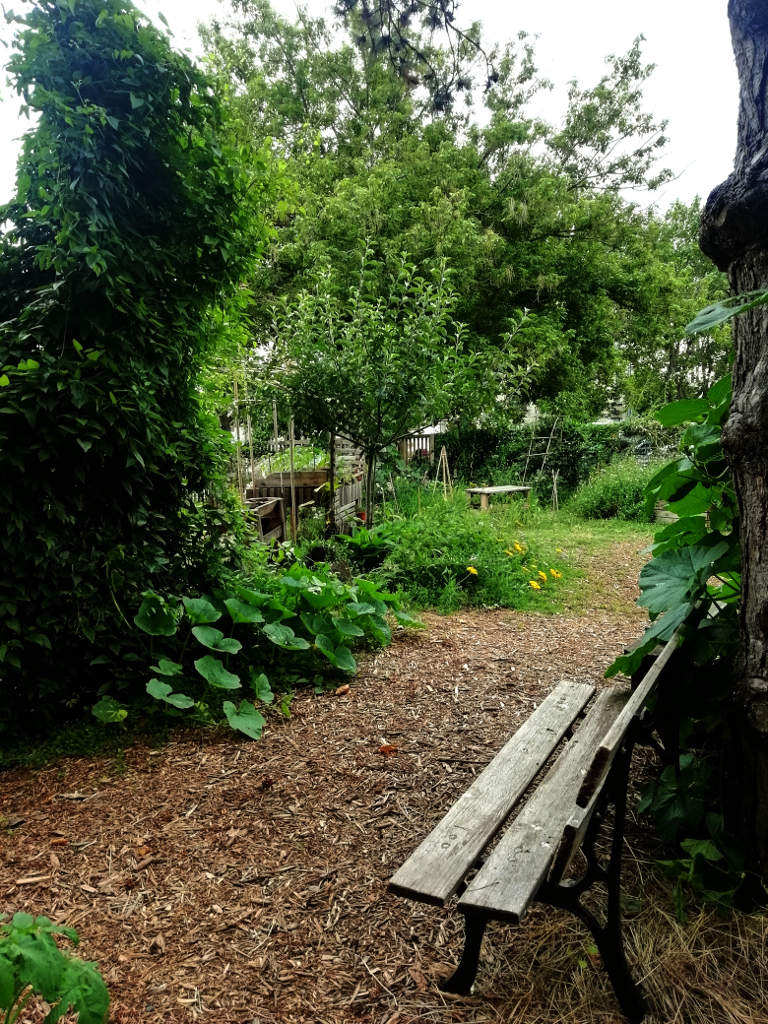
pixel 734 234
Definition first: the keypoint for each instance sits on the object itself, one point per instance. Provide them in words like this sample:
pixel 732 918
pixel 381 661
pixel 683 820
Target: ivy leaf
pixel 200 610
pixel 213 671
pixel 245 719
pixel 215 639
pixel 163 691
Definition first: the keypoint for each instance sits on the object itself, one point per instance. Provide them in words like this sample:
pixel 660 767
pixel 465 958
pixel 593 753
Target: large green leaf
pixel 242 611
pixel 261 688
pixel 658 632
pixel 675 576
pixel 109 710
pixel 245 719
pixel 200 610
pixel 215 640
pixel 213 671
pixel 719 312
pixel 163 691
pixel 285 637
pixel 165 667
pixel 155 616
pixel 684 411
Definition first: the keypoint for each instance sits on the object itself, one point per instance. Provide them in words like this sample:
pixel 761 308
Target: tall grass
pixel 616 491
pixel 448 556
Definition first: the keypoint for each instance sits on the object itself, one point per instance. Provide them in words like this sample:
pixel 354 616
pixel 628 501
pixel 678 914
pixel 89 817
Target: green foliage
pixel 549 263
pixel 703 543
pixel 373 365
pixel 31 964
pixel 695 569
pixel 489 456
pixel 447 556
pixel 615 491
pixel 134 216
pixel 300 626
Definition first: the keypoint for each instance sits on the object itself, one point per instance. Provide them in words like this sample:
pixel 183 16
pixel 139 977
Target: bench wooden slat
pixel 512 875
pixel 436 868
pixel 614 738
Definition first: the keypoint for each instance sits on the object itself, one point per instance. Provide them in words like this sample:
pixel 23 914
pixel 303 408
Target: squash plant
pixel 213 650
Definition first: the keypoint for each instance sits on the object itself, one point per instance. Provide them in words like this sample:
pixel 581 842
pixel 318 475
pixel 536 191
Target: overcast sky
pixel 694 86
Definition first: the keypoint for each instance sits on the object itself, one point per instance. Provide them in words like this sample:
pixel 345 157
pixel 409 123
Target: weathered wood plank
pixel 512 875
pixel 436 868
pixel 612 741
pixel 501 489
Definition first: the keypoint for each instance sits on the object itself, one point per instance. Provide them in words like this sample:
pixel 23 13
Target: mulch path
pixel 245 883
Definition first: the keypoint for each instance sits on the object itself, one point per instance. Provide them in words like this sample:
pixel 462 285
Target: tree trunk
pixel 734 234
pixel 370 483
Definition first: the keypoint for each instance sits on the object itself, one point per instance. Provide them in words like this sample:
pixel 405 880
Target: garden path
pixel 220 880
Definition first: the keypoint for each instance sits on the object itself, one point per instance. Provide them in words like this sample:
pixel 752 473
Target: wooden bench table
pixel 485 492
pixel 593 732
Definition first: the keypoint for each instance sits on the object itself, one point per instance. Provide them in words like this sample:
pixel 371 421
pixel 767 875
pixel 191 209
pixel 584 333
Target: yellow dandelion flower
pixel 508 552
pixel 472 569
pixel 519 547
pixel 559 551
pixel 534 566
pixel 556 574
pixel 542 575
pixel 535 584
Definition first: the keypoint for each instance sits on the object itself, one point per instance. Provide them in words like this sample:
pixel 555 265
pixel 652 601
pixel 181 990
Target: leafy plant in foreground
pixel 695 568
pixel 696 559
pixel 31 964
pixel 301 626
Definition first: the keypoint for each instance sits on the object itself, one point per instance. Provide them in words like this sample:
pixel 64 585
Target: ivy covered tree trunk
pixel 735 236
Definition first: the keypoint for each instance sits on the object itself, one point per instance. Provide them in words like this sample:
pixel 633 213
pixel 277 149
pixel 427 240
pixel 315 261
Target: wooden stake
pixel 237 444
pixel 443 473
pixel 250 447
pixel 294 515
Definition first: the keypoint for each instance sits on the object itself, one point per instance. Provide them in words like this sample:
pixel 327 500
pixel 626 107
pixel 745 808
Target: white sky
pixel 694 86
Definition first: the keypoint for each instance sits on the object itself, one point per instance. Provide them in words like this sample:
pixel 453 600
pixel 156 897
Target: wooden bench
pixel 596 731
pixel 485 492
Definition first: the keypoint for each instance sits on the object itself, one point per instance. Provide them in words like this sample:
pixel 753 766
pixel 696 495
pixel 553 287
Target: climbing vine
pixel 135 213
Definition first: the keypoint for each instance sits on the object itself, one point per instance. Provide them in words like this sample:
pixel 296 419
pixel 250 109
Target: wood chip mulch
pixel 234 882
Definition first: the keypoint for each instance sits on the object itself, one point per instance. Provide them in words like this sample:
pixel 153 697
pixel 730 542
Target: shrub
pixel 134 216
pixel 447 556
pixel 616 491
pixel 577 449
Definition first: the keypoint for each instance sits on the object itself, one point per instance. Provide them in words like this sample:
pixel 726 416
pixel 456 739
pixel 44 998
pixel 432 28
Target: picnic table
pixel 485 492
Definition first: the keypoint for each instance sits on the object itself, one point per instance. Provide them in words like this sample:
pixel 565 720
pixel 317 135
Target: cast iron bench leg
pixel 608 936
pixel 463 978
